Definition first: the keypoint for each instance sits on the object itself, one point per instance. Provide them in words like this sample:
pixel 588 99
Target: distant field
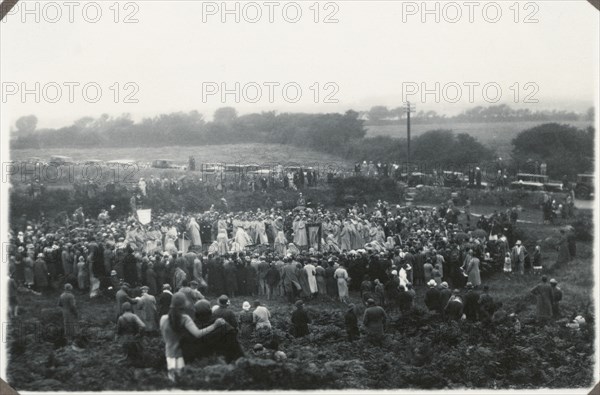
pixel 238 153
pixel 497 134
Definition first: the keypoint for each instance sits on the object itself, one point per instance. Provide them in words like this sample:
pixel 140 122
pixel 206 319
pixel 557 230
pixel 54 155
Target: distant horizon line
pixel 210 116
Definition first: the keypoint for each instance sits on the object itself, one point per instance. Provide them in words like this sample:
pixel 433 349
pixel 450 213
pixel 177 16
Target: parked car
pixel 585 187
pixel 166 164
pixel 535 182
pixel 59 160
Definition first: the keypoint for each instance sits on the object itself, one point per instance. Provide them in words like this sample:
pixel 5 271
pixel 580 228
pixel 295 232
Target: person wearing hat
pixel 67 303
pixel 374 321
pixel 129 324
pixel 40 274
pixel 130 271
pixel 146 310
pixel 222 341
pixel 473 272
pixel 164 300
pixel 432 297
pixel 445 294
pixel 223 311
pixel 544 295
pixel 121 297
pixel 173 326
pixel 300 320
pixel 454 308
pixel 246 321
pixel 471 303
pixel 556 297
pixel 517 256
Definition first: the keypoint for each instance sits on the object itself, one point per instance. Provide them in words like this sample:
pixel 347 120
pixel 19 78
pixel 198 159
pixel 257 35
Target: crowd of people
pixel 171 262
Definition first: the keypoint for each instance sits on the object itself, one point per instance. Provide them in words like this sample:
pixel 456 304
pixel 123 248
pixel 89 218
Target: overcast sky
pixel 177 48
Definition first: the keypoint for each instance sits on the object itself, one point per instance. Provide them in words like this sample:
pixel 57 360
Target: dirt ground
pixel 420 351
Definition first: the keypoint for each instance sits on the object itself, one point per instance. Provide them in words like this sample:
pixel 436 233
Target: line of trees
pixel 567 150
pixel 379 115
pixel 314 131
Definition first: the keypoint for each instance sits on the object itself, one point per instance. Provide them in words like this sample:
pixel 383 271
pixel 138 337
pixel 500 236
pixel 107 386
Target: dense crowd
pixel 174 260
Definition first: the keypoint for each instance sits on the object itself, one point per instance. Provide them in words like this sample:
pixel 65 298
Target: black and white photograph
pixel 297 196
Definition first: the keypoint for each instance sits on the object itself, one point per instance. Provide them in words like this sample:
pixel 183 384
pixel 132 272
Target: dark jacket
pixel 432 299
pixel 300 321
pixel 471 305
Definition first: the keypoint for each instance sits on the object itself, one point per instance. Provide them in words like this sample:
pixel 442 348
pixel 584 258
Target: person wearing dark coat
pixel 272 278
pixel 69 311
pixel 486 305
pixel 330 281
pixel 230 276
pixel 374 321
pixel 351 322
pixel 290 281
pixel 222 341
pixel 300 320
pixel 130 272
pixel 391 290
pixel 40 273
pixel 223 311
pixel 246 322
pixel 164 300
pixel 366 286
pixel 151 280
pixel 556 297
pixel 251 275
pixel 454 308
pixel 445 294
pixel 121 297
pixel 215 275
pixel 303 280
pixel 405 300
pixel 543 293
pixel 432 297
pixel 471 303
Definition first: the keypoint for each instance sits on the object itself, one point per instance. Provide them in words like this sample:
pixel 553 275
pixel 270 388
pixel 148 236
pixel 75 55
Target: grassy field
pixel 494 134
pixel 238 153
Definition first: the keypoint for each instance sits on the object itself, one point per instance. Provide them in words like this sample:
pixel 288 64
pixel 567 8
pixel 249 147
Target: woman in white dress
pixel 341 275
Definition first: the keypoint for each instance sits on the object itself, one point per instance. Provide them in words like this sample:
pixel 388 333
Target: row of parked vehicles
pixel 214 168
pixel 584 186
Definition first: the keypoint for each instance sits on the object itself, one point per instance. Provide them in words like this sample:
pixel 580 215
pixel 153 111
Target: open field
pixel 497 135
pixel 420 351
pixel 231 153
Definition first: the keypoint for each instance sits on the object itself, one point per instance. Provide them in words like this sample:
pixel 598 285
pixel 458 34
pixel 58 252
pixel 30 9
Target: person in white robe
pixel 345 241
pixel 193 230
pixel 222 242
pixel 331 245
pixel 311 272
pixel 242 238
pixel 280 244
pixel 302 238
pixel 170 238
pixel 261 234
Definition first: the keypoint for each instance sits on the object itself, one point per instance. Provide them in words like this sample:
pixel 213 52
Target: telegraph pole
pixel 408 109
